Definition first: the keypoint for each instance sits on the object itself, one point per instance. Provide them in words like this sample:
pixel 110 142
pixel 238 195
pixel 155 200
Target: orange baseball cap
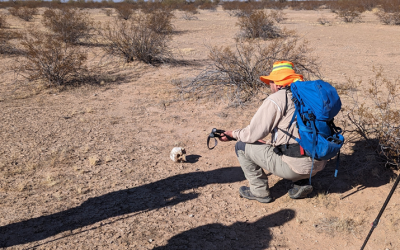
pixel 282 74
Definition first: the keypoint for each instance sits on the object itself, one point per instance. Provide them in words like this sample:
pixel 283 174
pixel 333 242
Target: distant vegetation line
pixel 360 5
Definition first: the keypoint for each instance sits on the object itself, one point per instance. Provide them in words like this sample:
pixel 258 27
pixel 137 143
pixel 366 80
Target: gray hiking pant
pixel 255 157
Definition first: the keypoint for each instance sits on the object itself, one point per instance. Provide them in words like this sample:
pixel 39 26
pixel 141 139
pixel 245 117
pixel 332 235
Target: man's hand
pixel 224 138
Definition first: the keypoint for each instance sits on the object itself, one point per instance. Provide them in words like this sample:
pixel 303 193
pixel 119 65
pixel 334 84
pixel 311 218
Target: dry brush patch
pixel 258 24
pixel 69 25
pixel 375 115
pixel 25 13
pixel 235 73
pixel 138 39
pixel 50 60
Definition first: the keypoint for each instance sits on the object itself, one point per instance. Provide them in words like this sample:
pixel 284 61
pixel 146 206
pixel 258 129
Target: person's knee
pixel 240 146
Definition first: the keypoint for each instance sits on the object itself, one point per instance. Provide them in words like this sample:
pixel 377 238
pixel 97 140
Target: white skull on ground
pixel 178 154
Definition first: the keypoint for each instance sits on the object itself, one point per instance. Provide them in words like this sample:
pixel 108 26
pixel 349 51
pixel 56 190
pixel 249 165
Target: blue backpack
pixel 317 103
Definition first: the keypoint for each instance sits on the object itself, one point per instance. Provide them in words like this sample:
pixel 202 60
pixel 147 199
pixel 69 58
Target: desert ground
pixel 88 167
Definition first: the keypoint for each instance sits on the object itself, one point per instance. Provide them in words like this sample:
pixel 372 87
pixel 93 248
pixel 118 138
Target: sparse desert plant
pixel 160 21
pixel 259 25
pixel 390 18
pixel 191 8
pixel 3 22
pixel 188 15
pixel 50 60
pixel 208 5
pixel 378 123
pixel 68 24
pixel 135 40
pixel 25 13
pixel 278 15
pixel 124 11
pixel 323 20
pixel 235 72
pixel 108 11
pixel 349 16
pixel 6 47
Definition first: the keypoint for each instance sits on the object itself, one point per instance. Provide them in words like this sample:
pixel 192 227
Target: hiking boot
pixel 299 191
pixel 246 193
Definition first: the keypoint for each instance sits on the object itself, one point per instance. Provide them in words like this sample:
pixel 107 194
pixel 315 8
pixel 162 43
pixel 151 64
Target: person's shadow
pixel 166 192
pixel 240 235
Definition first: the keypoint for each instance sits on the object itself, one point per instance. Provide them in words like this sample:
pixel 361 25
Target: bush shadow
pixel 165 192
pixel 239 235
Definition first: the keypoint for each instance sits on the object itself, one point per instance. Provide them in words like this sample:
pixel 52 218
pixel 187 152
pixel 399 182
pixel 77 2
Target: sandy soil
pixel 89 167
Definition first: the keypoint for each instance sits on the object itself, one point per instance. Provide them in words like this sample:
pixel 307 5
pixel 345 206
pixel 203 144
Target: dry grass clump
pixel 235 73
pixel 69 25
pixel 50 60
pixel 24 12
pixel 136 39
pixel 378 123
pixel 260 25
pixel 334 225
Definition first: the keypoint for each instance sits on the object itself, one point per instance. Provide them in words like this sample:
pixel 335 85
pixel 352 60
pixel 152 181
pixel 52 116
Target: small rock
pixel 150 240
pixel 191 215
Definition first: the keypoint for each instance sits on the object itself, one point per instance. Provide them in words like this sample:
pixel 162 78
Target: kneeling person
pixel 282 156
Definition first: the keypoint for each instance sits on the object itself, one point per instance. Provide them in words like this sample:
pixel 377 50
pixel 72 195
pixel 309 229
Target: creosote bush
pixel 25 13
pixel 278 15
pixel 50 60
pixel 136 39
pixel 375 115
pixel 260 25
pixel 235 73
pixel 68 24
pixel 124 11
pixel 390 18
pixel 160 21
pixel 6 47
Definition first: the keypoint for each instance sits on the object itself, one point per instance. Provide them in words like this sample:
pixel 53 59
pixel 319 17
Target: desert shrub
pixel 259 25
pixel 51 60
pixel 3 22
pixel 375 115
pixel 278 15
pixel 208 5
pixel 25 13
pixel 323 20
pixel 135 40
pixel 348 11
pixel 235 73
pixel 390 18
pixel 240 9
pixel 108 11
pixel 187 15
pixel 189 8
pixel 68 24
pixel 6 47
pixel 160 21
pixel 349 15
pixel 124 11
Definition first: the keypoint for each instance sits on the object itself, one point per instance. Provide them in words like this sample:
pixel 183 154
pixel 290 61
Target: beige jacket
pixel 271 118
